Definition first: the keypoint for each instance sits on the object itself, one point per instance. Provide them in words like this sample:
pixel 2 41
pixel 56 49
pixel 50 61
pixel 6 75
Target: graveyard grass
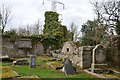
pixel 43 70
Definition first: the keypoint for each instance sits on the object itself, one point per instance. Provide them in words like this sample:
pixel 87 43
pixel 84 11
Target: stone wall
pixel 13 49
pixel 69 48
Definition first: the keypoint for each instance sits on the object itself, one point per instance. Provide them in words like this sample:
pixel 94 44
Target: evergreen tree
pixel 53 33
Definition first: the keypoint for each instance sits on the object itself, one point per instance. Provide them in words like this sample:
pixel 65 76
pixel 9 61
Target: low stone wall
pixel 81 57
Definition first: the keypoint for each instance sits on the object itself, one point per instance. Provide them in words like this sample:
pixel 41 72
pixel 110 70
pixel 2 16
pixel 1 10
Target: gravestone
pixel 21 62
pixel 32 61
pixel 38 49
pixel 68 68
pixel 100 56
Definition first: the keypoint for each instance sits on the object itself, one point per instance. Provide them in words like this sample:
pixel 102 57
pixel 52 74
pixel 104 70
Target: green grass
pixel 44 72
pixel 5 64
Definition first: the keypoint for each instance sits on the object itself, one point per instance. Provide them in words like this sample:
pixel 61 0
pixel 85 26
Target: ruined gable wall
pixel 79 56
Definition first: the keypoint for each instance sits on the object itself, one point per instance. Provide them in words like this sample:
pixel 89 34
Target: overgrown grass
pixel 43 71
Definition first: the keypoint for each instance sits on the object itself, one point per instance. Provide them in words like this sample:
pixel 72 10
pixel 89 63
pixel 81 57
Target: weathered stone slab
pixel 38 49
pixel 21 62
pixel 26 78
pixel 68 68
pixel 100 56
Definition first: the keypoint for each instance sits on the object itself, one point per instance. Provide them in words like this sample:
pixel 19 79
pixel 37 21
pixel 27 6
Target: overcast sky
pixel 29 11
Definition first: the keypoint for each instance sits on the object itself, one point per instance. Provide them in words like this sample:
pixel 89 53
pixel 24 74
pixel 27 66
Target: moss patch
pixel 7 72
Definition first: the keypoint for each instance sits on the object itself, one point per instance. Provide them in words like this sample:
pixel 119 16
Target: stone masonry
pixel 81 56
pixel 20 48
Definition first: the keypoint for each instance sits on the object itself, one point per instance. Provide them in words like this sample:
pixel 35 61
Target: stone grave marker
pixel 100 56
pixel 32 61
pixel 38 49
pixel 68 68
pixel 21 62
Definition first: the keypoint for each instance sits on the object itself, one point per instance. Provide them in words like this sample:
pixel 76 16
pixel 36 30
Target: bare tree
pixel 0 18
pixel 29 30
pixel 37 28
pixel 74 30
pixel 5 16
pixel 22 31
pixel 98 10
pixel 107 12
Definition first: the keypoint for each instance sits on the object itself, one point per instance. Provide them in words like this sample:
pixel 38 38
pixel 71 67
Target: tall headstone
pixel 32 61
pixel 38 49
pixel 68 68
pixel 100 56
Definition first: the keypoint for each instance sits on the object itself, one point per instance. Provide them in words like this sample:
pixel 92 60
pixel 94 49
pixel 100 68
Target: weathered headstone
pixel 32 61
pixel 100 56
pixel 38 49
pixel 21 62
pixel 68 68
